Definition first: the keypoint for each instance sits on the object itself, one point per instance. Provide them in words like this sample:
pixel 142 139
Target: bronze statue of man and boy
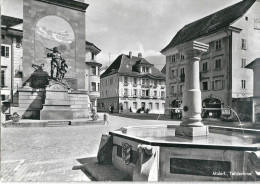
pixel 57 63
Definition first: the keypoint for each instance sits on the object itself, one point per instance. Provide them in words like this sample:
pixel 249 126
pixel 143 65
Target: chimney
pixel 140 55
pixel 130 55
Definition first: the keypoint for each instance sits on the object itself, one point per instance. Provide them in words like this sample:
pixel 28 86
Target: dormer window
pixel 145 69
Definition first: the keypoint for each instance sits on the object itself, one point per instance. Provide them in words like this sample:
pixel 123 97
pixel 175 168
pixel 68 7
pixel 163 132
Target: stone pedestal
pixel 191 125
pixel 57 105
pixel 191 131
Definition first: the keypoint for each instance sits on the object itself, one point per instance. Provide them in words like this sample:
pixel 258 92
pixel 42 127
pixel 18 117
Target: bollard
pixel 106 117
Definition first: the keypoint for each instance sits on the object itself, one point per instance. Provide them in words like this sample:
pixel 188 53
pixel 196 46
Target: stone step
pixel 57 124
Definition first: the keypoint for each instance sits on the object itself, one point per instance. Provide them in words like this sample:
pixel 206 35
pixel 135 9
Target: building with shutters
pixel 233 35
pixel 132 83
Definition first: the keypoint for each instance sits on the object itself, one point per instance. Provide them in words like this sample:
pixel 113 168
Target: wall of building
pixel 109 86
pixel 252 36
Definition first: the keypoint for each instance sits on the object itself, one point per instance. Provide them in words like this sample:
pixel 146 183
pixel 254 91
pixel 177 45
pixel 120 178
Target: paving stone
pixel 48 154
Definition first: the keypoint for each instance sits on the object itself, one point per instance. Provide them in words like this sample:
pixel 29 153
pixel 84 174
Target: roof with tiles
pixel 210 24
pixel 124 65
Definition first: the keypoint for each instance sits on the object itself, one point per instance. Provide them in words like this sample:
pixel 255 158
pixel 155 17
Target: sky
pixel 145 26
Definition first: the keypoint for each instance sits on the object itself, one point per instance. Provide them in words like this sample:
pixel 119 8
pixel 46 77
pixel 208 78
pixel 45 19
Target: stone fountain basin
pixel 222 155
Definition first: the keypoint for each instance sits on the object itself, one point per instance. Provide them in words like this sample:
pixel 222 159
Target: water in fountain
pixel 237 118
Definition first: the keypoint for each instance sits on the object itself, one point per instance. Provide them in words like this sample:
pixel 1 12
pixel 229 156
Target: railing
pixel 134 85
pixel 125 84
pixel 162 87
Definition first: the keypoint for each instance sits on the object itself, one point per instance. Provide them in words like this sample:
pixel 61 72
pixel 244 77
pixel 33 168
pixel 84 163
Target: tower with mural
pixel 53 30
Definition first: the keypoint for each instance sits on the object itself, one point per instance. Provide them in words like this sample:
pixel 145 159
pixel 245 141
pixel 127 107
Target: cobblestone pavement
pixel 49 153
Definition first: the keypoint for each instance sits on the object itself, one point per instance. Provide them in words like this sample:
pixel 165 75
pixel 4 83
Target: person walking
pixel 121 109
pixel 112 109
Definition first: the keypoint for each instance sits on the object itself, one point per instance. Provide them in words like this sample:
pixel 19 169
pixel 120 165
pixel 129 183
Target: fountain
pixel 188 152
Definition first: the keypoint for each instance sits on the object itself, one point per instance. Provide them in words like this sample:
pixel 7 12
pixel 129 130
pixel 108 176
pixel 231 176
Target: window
pixel 182 57
pixel 243 63
pixel 173 89
pixel 181 89
pixel 125 92
pixel 204 86
pixel 173 73
pixel 217 84
pixel 155 93
pixel 244 45
pixel 2 78
pixel 111 81
pixel 98 87
pixel 218 44
pixel 155 82
pixel 162 94
pixel 98 104
pixel 92 70
pixel 173 58
pixel 182 75
pixel 143 92
pixel 246 18
pixel 143 81
pixel 134 105
pixel 125 80
pixel 182 71
pixel 135 92
pixel 135 80
pixel 257 24
pixel 157 106
pixel 93 86
pixel 217 63
pixel 106 92
pixel 3 37
pixel 18 40
pixel 243 82
pixel 5 51
pixel 163 105
pixel 205 66
pixel 150 106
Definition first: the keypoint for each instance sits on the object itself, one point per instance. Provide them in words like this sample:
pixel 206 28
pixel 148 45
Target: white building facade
pixel 233 36
pixel 133 84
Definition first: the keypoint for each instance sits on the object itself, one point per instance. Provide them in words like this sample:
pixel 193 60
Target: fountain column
pixel 191 124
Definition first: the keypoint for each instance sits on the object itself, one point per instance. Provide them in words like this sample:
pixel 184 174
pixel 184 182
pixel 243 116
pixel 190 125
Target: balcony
pixel 162 87
pixel 176 94
pixel 162 98
pixel 134 85
pixel 155 97
pixel 145 97
pixel 155 86
pixel 145 86
pixel 125 84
